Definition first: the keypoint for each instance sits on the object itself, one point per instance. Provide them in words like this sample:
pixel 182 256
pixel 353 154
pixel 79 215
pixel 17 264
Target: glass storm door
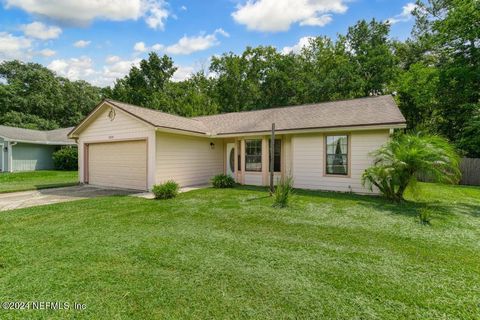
pixel 230 159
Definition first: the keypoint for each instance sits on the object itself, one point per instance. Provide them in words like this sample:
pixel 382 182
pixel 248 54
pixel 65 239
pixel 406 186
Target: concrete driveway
pixel 24 199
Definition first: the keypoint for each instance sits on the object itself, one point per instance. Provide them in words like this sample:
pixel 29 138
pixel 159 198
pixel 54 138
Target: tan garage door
pixel 118 164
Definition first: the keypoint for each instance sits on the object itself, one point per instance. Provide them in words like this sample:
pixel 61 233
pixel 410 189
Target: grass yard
pixel 32 180
pixel 228 254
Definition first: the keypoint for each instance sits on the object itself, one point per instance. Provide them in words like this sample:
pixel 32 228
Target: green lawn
pixel 228 254
pixel 21 181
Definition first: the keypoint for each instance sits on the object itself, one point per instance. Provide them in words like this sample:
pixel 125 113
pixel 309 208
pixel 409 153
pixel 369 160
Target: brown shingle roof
pixel 54 137
pixel 162 119
pixel 346 113
pixel 369 111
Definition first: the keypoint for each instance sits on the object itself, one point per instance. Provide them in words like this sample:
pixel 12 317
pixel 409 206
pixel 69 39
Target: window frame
pixel 280 155
pixel 349 155
pixel 257 155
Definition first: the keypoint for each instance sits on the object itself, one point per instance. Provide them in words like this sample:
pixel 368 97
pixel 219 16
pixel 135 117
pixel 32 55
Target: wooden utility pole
pixel 272 158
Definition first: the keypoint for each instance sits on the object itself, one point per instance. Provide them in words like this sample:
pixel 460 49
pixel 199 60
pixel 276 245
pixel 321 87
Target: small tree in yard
pixel 397 164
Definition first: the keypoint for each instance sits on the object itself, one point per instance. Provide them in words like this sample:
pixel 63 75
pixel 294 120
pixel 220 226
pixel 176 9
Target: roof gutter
pixel 53 143
pixel 312 130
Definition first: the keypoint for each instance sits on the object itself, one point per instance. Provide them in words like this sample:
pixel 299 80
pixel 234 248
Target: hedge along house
pixel 323 146
pixel 29 150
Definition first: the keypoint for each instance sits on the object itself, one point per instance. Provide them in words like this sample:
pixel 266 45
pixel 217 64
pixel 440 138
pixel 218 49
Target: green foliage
pixel 397 164
pixel 283 192
pixel 223 181
pixel 27 121
pixel 32 96
pixel 66 158
pixel 470 137
pixel 167 190
pixel 373 55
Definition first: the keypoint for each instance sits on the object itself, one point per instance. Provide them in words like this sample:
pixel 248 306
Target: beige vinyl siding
pixel 288 155
pixel 254 179
pixel 188 160
pixel 118 164
pixel 308 161
pixel 123 128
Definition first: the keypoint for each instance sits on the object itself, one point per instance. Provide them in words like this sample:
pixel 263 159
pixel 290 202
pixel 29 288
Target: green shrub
pixel 397 164
pixel 283 191
pixel 66 158
pixel 167 190
pixel 223 181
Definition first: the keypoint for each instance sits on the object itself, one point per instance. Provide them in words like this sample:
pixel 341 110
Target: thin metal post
pixel 272 156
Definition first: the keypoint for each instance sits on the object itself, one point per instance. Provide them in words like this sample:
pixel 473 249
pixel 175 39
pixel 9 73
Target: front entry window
pixel 277 152
pixel 253 155
pixel 232 160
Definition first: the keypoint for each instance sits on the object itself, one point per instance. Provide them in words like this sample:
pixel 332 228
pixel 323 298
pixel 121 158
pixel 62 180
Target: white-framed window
pixel 253 155
pixel 336 159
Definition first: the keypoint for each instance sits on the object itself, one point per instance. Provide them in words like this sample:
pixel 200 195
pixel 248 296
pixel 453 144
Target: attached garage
pixel 121 164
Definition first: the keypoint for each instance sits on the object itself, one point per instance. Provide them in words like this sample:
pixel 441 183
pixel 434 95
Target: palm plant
pixel 398 163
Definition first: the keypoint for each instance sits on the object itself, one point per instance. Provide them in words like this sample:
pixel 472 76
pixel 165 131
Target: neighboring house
pixel 28 150
pixel 323 146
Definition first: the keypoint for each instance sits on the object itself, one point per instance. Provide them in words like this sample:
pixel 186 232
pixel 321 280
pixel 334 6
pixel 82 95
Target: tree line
pixel 435 76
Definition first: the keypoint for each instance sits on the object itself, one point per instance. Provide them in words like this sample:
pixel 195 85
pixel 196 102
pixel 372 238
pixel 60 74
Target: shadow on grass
pixel 407 208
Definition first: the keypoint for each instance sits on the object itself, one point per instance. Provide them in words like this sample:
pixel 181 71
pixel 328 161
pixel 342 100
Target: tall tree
pixel 34 96
pixel 372 51
pixel 450 30
pixel 144 85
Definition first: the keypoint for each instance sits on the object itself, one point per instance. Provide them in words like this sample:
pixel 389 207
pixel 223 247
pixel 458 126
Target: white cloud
pixel 157 47
pixel 116 68
pixel 279 15
pixel 112 59
pixel 41 31
pixel 83 12
pixel 187 45
pixel 74 68
pixel 156 14
pixel 13 47
pixel 317 21
pixel 183 73
pixel 140 47
pixel 183 8
pixel 302 42
pixel 82 43
pixel 47 52
pixel 406 14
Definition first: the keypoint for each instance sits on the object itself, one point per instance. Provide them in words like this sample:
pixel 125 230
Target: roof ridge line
pixel 292 106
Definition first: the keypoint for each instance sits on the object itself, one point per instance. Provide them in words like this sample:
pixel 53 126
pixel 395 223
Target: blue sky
pixel 99 40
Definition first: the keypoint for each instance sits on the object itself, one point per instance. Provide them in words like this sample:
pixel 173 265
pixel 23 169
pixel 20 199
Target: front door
pixel 230 159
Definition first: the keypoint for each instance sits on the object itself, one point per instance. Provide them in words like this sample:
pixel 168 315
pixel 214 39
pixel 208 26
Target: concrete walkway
pixel 24 199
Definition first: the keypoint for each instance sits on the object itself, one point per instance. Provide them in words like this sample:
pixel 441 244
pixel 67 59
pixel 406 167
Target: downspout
pixel 10 155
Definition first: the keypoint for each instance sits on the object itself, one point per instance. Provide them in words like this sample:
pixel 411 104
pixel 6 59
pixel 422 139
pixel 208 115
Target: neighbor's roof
pixel 371 111
pixel 53 137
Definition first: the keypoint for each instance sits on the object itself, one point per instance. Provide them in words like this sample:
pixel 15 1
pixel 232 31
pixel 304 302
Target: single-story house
pixel 28 150
pixel 323 146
